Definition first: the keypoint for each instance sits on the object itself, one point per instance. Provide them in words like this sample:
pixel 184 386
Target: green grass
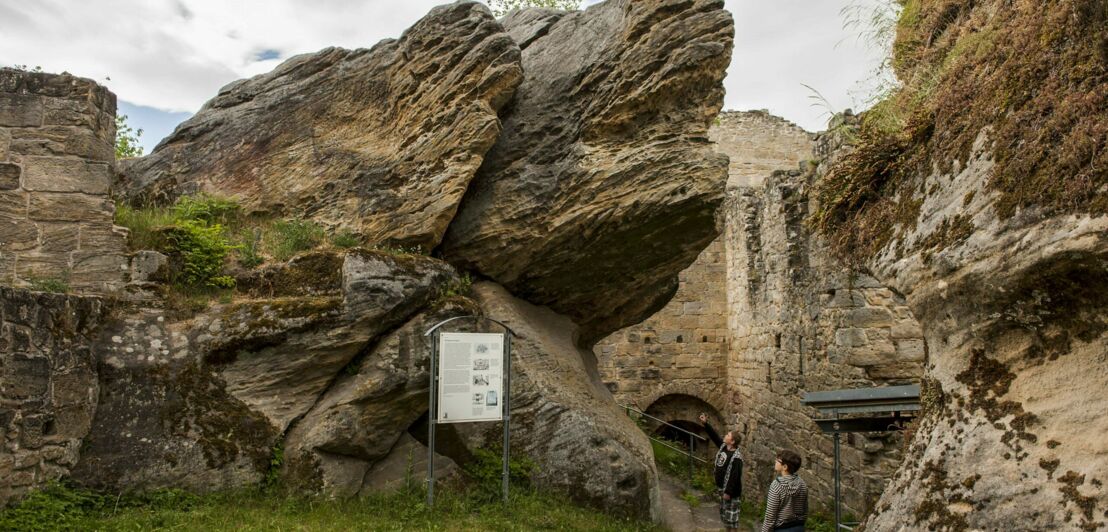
pixel 59 508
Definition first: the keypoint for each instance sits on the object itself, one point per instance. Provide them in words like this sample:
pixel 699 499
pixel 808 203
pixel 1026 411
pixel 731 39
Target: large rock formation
pixel 383 141
pixel 1016 317
pixel 200 402
pixel 998 239
pixel 323 355
pixel 563 417
pixel 579 205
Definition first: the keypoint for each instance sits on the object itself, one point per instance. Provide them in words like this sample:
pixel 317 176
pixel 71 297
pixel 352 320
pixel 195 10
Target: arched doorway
pixel 683 411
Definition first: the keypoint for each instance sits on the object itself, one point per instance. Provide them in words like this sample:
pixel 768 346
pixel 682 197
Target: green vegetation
pixel 56 285
pixel 346 240
pixel 202 234
pixel 286 238
pixel 463 286
pixel 676 465
pixel 61 508
pixel 126 139
pixel 502 7
pixel 1032 77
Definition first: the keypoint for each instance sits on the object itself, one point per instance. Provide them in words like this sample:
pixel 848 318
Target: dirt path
pixel 679 516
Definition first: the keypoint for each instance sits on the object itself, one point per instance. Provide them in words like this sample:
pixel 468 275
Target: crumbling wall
pixel 800 322
pixel 57 136
pixel 48 385
pixel 56 154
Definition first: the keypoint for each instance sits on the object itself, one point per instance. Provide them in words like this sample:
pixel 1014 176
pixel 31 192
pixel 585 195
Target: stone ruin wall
pixel 57 138
pixel 793 319
pixel 801 322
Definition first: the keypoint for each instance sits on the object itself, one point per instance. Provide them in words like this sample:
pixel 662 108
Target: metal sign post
pixel 485 399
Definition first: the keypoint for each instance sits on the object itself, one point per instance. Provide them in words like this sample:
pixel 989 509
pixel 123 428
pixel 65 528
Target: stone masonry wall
pixel 757 144
pixel 48 385
pixel 683 348
pixel 57 136
pixel 800 321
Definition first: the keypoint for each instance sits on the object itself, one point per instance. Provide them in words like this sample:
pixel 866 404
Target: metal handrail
pixel 689 457
pixel 641 413
pixel 678 449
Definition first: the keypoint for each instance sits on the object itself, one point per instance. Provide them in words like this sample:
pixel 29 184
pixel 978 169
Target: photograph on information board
pixel 470 372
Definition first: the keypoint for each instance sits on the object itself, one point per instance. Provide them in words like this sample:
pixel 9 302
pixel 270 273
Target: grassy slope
pixel 249 511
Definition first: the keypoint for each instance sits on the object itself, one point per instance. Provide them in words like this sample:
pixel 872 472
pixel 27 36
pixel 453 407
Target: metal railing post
pixel 689 459
pixel 507 409
pixel 431 417
pixel 838 508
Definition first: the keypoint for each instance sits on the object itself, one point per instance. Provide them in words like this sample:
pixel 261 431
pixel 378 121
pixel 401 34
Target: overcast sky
pixel 165 58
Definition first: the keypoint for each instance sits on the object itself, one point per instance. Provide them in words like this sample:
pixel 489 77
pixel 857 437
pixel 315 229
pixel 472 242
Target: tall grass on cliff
pixel 1029 79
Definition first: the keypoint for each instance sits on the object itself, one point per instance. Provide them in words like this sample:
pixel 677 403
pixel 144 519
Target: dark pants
pixel 797 528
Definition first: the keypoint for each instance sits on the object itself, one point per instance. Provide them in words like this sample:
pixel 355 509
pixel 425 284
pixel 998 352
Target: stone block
pixel 908 328
pixel 20 110
pixel 42 266
pixel 61 207
pixel 21 478
pixel 92 268
pixel 60 141
pixel 850 337
pixel 13 204
pixel 151 266
pixel 7 267
pixel 69 112
pixel 65 174
pixel 9 176
pixel 30 433
pixel 5 143
pixel 25 377
pixel 17 234
pixel 103 237
pixel 911 350
pixel 58 237
pixel 869 317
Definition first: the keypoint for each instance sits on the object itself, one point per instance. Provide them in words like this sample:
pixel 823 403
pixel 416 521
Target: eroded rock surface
pixel 280 355
pixel 201 402
pixel 603 185
pixel 383 141
pixel 1015 313
pixel 367 410
pixel 563 417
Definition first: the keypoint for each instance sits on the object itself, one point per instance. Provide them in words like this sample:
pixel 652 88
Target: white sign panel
pixel 471 371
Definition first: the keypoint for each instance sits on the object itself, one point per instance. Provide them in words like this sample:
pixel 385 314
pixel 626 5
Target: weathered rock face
pixel 383 141
pixel 367 410
pixel 579 206
pixel 279 356
pixel 563 417
pixel 48 385
pixel 200 403
pixel 1016 318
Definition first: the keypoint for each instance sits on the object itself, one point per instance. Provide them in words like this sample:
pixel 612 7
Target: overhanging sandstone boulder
pixel 603 184
pixel 383 141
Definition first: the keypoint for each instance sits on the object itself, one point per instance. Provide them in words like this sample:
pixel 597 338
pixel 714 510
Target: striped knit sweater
pixel 786 503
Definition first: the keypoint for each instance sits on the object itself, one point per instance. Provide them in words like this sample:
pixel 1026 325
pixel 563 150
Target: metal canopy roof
pixel 858 400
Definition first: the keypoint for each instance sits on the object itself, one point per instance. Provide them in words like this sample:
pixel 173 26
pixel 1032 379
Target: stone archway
pixel 683 411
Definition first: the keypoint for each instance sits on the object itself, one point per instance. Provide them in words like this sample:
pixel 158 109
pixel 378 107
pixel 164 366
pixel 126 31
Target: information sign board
pixel 471 377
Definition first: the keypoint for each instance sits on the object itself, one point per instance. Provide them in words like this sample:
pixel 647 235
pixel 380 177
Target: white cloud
pixel 175 54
